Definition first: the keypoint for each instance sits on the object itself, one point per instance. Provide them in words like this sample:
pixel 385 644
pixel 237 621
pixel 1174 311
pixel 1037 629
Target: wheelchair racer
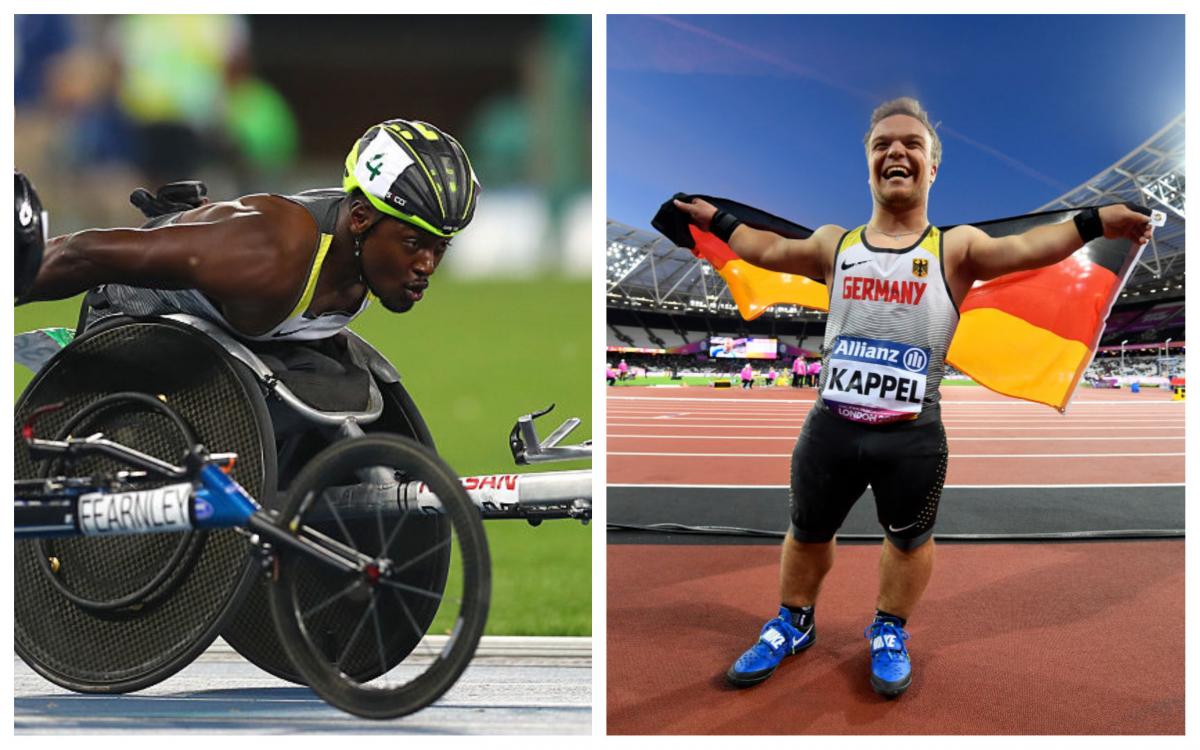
pixel 283 267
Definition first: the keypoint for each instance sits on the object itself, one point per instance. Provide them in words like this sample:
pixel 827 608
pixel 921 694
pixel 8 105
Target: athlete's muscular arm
pixel 229 251
pixel 812 257
pixel 983 257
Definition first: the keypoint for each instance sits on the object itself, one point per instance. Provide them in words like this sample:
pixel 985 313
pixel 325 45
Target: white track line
pixel 952 420
pixel 952 455
pixel 762 404
pixel 948 486
pixel 690 419
pixel 986 439
pixel 946 413
pixel 1006 403
pixel 795 427
pixel 681 405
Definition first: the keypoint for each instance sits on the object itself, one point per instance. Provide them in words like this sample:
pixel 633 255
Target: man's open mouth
pixel 896 172
pixel 416 291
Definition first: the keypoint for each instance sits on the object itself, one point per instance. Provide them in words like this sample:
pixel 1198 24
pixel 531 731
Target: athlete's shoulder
pixel 270 204
pixel 828 236
pixel 251 242
pixel 962 230
pixel 957 240
pixel 963 234
pixel 833 237
pixel 830 229
pixel 246 209
pixel 325 193
pixel 286 222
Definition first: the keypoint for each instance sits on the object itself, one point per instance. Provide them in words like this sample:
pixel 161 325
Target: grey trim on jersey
pixel 120 299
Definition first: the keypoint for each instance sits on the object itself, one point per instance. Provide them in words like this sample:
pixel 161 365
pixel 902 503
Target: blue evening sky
pixel 771 110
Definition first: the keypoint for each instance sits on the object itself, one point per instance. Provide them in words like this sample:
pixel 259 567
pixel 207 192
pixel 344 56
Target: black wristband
pixel 1088 223
pixel 722 225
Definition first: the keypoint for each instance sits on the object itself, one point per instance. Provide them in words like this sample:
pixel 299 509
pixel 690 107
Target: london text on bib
pixel 875 381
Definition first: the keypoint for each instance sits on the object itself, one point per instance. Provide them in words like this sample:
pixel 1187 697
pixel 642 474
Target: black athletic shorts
pixel 835 459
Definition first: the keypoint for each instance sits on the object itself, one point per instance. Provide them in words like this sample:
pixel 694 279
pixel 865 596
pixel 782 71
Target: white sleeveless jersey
pixel 891 318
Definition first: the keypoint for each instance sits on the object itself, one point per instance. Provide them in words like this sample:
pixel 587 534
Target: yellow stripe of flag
pixel 1012 356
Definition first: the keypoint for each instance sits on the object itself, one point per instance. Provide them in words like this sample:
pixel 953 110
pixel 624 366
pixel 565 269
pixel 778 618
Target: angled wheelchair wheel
pixel 251 633
pixel 117 614
pixel 342 635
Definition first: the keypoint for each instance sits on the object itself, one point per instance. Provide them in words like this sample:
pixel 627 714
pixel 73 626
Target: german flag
pixel 754 289
pixel 1029 335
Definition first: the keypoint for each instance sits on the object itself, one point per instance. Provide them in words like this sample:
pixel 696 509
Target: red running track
pixel 665 436
pixel 1056 639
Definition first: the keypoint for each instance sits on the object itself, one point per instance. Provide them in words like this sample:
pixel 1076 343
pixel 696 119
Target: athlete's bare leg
pixel 802 568
pixel 903 576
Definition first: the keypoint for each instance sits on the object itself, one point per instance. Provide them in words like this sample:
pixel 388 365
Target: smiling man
pixel 284 268
pixel 895 285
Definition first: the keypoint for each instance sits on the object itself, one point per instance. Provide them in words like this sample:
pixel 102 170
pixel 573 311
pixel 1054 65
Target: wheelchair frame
pixel 219 502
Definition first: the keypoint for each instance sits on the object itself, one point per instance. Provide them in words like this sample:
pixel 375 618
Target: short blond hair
pixel 906 105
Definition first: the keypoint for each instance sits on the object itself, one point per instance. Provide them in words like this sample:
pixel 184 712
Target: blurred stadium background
pixel 668 311
pixel 105 104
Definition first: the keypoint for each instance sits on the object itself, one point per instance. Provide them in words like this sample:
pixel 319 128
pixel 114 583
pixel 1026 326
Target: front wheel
pixel 389 596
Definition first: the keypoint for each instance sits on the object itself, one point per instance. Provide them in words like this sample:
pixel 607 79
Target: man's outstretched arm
pixel 988 257
pixel 224 257
pixel 808 257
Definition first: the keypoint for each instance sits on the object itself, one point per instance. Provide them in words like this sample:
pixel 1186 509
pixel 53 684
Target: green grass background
pixel 475 356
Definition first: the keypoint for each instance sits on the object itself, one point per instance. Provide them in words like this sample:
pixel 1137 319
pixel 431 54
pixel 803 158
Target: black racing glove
pixel 171 198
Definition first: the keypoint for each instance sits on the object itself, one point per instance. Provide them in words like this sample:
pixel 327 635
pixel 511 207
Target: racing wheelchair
pixel 322 537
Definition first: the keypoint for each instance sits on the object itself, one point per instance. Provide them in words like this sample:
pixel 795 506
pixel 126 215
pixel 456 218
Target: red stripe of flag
pixel 1069 298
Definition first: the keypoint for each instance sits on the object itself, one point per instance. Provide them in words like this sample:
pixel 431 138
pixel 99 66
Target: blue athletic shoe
pixel 891 671
pixel 779 638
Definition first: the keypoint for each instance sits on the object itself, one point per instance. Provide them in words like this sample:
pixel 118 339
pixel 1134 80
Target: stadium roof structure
pixel 644 270
pixel 1153 174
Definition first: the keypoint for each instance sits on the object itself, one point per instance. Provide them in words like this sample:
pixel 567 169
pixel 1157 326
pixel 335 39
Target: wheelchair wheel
pixel 128 593
pixel 341 641
pixel 113 615
pixel 251 633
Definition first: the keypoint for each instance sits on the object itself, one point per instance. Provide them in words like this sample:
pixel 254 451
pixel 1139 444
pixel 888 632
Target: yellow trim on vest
pixel 853 237
pixel 933 243
pixel 311 286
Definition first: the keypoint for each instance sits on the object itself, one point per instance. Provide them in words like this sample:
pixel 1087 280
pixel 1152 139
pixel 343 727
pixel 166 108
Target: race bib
pixel 875 381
